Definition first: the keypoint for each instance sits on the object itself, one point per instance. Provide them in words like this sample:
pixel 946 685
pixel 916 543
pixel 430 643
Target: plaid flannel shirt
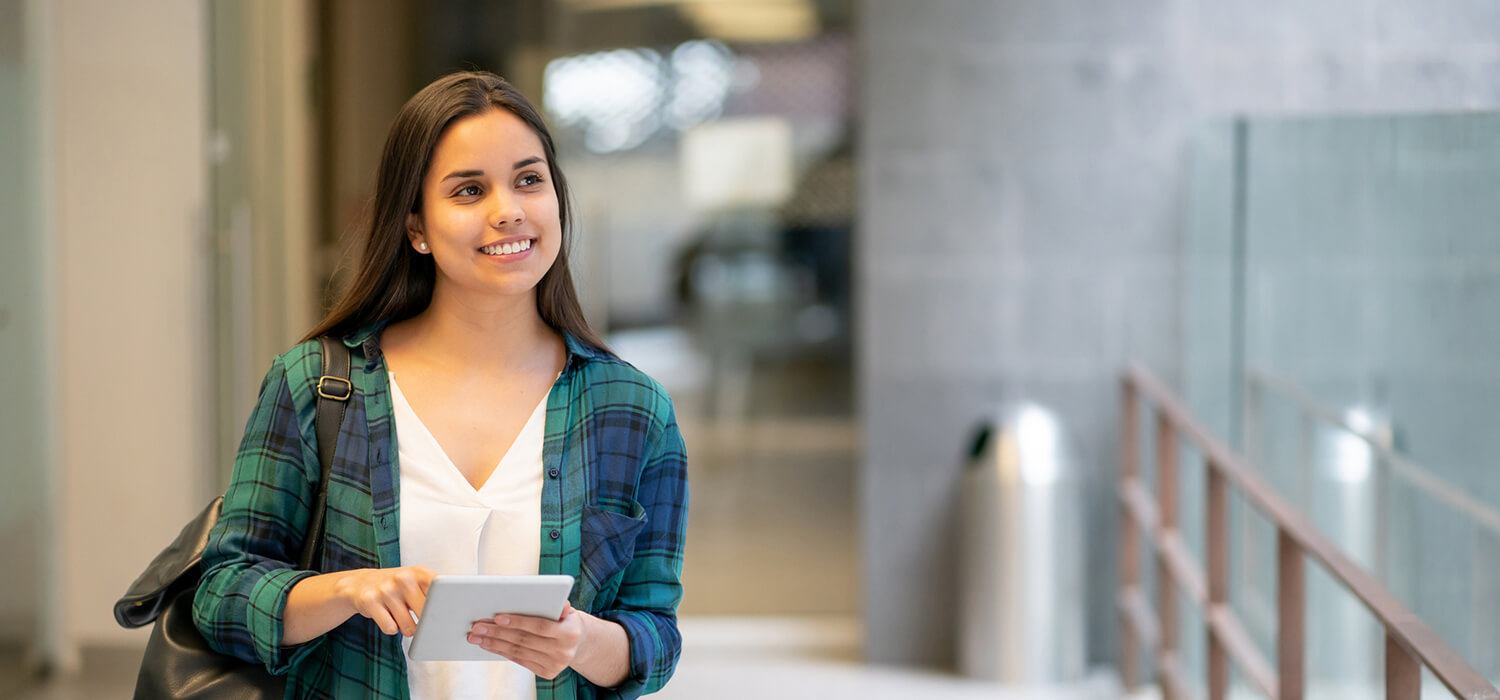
pixel 614 512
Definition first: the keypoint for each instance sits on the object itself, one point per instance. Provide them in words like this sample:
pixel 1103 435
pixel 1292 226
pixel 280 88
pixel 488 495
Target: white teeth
pixel 507 248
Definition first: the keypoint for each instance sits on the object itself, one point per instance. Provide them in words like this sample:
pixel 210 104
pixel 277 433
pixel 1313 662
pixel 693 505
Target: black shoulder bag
pixel 178 662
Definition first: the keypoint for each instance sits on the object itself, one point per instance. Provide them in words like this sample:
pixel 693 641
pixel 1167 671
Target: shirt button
pixel 552 472
pixel 554 534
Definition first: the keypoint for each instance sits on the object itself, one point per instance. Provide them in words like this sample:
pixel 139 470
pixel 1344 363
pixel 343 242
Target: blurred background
pixel 890 258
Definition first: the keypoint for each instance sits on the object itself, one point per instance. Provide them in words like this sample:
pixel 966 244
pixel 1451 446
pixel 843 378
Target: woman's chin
pixel 516 286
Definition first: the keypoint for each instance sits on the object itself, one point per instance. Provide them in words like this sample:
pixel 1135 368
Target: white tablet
pixel 455 602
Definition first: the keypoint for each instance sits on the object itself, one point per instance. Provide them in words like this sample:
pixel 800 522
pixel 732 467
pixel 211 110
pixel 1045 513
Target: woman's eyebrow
pixel 479 173
pixel 462 173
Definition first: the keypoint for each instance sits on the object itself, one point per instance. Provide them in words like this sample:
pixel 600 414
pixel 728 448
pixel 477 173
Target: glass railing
pixel 1342 329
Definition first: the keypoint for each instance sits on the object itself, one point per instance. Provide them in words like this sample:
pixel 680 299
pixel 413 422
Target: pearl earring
pixel 423 246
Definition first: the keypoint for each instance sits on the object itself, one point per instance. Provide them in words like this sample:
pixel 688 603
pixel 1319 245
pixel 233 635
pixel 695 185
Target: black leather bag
pixel 178 661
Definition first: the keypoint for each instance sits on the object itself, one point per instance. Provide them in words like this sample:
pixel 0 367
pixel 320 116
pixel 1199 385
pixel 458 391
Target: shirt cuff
pixel 643 646
pixel 267 613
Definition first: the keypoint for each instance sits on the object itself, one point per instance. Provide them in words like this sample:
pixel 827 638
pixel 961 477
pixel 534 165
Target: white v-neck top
pixel 452 528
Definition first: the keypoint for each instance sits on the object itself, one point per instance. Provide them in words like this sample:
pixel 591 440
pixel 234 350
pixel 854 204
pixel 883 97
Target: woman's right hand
pixel 389 597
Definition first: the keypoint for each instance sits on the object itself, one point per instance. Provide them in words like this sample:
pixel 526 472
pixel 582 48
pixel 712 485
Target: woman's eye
pixel 529 180
pixel 468 191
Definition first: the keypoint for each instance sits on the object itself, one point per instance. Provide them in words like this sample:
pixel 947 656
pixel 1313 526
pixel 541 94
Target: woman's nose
pixel 507 212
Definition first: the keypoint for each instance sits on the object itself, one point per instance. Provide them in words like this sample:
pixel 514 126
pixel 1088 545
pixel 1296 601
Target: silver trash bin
pixel 1022 587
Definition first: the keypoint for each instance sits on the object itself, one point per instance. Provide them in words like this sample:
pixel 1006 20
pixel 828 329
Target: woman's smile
pixel 508 251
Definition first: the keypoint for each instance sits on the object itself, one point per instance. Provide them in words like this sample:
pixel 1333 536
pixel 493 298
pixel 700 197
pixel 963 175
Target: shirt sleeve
pixel 248 562
pixel 646 605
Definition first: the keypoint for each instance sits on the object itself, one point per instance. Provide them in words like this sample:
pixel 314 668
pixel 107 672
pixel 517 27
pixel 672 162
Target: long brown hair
pixel 394 283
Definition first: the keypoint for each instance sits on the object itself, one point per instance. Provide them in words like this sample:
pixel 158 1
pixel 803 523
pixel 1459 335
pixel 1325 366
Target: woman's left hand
pixel 544 647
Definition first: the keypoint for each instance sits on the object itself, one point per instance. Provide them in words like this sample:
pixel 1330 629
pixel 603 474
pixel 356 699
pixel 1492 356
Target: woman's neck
pixel 504 335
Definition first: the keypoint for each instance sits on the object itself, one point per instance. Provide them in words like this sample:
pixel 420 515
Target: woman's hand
pixel 388 597
pixel 545 647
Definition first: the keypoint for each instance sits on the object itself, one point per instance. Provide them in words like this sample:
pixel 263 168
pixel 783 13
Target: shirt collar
pixel 368 337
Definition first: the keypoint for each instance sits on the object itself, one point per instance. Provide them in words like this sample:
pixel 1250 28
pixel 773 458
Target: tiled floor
pixel 817 679
pixel 818 659
pixel 704 673
pixel 106 673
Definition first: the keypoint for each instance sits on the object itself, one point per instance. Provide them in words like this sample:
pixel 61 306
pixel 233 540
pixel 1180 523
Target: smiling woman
pixel 495 201
pixel 515 443
pixel 473 148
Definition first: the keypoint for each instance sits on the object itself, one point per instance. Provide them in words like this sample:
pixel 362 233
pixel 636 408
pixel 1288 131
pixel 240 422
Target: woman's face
pixel 489 213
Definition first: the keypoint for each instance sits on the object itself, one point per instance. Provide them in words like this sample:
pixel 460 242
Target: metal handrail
pixel 1409 643
pixel 1399 464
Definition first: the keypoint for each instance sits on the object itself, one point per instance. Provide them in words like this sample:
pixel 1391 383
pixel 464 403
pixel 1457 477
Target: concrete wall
pixel 1022 195
pixel 125 182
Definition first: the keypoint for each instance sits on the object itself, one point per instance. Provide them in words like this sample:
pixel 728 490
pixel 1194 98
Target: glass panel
pixel 22 330
pixel 1209 268
pixel 1252 574
pixel 1345 643
pixel 1368 271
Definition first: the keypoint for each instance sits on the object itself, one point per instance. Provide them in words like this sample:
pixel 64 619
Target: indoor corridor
pixel 1021 349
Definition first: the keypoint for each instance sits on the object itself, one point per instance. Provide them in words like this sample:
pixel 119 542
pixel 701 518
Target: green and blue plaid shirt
pixel 614 512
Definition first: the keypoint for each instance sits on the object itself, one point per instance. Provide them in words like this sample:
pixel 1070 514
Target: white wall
pixel 125 99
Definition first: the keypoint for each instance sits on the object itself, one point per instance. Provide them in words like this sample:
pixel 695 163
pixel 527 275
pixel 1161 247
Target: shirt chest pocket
pixel 607 544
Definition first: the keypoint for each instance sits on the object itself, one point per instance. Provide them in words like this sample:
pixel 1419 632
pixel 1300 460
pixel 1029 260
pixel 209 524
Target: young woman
pixel 490 432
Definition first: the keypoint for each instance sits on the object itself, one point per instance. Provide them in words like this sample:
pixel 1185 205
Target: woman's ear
pixel 414 231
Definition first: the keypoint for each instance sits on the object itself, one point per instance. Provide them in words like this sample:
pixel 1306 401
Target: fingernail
pixel 505 621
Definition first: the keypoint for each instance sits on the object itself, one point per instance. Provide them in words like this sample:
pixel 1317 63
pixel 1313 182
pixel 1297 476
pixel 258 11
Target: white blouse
pixel 452 528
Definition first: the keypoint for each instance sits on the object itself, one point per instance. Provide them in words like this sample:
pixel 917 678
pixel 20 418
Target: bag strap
pixel 334 391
